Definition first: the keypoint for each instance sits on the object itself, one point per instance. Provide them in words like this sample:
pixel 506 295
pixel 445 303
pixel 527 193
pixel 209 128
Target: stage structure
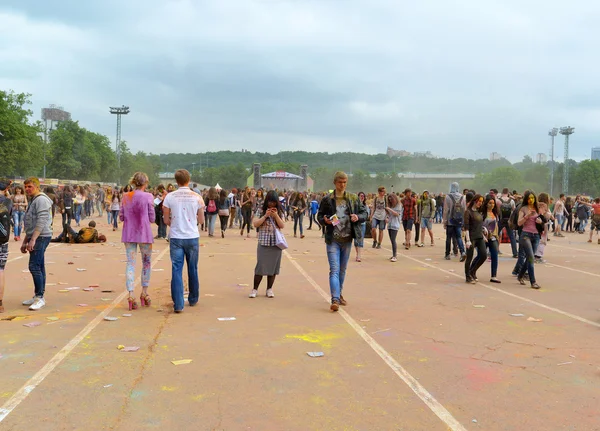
pixel 280 180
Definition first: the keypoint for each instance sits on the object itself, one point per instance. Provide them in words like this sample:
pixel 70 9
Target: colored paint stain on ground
pixel 135 395
pixel 317 337
pixel 168 388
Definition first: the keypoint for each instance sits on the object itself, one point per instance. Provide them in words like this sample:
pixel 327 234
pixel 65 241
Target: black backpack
pixel 456 216
pixel 506 208
pixel 5 207
pixel 513 221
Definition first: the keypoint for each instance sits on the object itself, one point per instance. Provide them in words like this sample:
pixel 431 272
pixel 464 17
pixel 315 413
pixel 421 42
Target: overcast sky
pixel 457 78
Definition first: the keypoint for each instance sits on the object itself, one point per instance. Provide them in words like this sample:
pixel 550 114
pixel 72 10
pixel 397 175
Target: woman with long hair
pixel 268 255
pixel 473 229
pixel 393 209
pixel 569 218
pixel 491 221
pixel 223 205
pixel 544 207
pixel 161 192
pixel 107 205
pixel 115 207
pixel 298 206
pixel 137 214
pixel 246 204
pixel 529 219
pixel 359 243
pixel 19 207
pixel 79 201
pixel 212 210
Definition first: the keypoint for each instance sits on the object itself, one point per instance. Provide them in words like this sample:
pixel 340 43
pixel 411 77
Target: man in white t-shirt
pixel 183 210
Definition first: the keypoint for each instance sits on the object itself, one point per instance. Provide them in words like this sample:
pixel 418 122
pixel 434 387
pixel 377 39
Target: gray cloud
pixel 457 78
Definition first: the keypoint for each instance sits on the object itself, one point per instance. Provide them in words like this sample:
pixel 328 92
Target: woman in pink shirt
pixel 137 214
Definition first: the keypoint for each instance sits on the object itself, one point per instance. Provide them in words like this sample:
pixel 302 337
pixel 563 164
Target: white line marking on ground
pixel 522 298
pixel 435 406
pixel 577 249
pixel 25 254
pixel 14 401
pixel 550 265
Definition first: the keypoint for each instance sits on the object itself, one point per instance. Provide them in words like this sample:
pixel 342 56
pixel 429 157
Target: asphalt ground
pixel 415 349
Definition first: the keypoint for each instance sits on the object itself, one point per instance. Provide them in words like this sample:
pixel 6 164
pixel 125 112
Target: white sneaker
pixel 39 303
pixel 270 293
pixel 393 259
pixel 29 301
pixel 253 293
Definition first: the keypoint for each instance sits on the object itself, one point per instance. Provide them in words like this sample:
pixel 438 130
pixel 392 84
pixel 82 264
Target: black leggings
pixel 223 220
pixel 247 216
pixel 258 279
pixel 471 266
pixel 393 233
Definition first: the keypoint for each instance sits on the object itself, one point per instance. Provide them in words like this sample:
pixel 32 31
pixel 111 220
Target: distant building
pixel 495 156
pixel 596 153
pixel 541 158
pixel 424 154
pixel 397 153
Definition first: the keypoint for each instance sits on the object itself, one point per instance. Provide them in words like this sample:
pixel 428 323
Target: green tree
pixel 586 178
pixel 500 178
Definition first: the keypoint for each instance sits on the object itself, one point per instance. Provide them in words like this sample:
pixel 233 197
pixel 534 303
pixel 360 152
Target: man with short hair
pixel 196 189
pixel 452 220
pixel 409 205
pixel 86 235
pixel 378 217
pixel 100 196
pixel 506 205
pixel 5 216
pixel 38 233
pixel 427 213
pixel 183 211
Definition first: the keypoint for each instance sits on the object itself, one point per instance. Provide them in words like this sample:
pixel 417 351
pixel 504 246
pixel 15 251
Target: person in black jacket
pixel 342 215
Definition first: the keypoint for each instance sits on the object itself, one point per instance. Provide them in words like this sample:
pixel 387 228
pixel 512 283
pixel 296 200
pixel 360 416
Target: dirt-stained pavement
pixel 418 348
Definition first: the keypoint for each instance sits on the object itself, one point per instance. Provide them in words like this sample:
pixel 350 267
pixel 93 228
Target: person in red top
pixel 409 204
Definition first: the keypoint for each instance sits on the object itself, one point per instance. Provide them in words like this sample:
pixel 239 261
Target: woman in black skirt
pixel 268 254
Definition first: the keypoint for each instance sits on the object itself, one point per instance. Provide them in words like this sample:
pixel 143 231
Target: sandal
pixel 521 280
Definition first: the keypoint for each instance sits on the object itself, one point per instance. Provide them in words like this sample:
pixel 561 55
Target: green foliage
pixel 586 178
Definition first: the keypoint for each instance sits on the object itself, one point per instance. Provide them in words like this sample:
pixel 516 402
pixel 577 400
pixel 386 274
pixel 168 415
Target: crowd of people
pixel 475 225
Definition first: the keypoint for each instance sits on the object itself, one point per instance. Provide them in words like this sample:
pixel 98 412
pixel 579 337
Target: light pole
pixel 552 133
pixel 123 110
pixel 566 131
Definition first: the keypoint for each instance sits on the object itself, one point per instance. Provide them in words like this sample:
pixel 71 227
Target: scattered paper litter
pixel 32 324
pixel 428 259
pixel 110 318
pixel 533 319
pixel 365 320
pixel 50 284
pixel 107 291
pixel 243 285
pixel 208 294
pixel 517 315
pixel 94 285
pixel 107 386
pixel 315 354
pixel 130 349
pixel 571 356
pixel 225 318
pixel 62 284
pixel 88 289
pixel 82 305
pixel 81 269
pixel 127 315
pixel 181 362
pixel 105 299
pixel 25 270
pixel 63 291
pixel 72 288
pixel 412 284
pixel 564 363
pixel 70 263
pixel 158 269
pixel 52 318
pixel 478 306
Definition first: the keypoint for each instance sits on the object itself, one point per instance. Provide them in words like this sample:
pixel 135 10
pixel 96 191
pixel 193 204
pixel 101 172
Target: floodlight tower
pixel 566 131
pixel 123 110
pixel 552 133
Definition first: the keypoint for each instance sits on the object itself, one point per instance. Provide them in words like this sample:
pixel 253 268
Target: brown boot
pixel 343 301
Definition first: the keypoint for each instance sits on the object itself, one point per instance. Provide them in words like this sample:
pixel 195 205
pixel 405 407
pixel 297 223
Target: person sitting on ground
pixel 86 235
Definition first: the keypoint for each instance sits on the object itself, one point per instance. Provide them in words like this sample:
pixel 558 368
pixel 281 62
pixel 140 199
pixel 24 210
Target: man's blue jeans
pixel 181 249
pixel 338 255
pixel 37 265
pixel 456 233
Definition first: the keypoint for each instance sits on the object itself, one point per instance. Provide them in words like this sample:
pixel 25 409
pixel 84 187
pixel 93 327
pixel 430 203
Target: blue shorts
pixel 426 223
pixel 375 222
pixel 560 219
pixel 408 224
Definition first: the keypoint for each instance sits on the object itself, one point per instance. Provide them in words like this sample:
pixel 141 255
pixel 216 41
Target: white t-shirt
pixel 184 205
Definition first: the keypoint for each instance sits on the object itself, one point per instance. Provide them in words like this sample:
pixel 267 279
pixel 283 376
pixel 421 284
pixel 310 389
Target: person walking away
pixel 378 217
pixel 595 226
pixel 313 209
pixel 6 206
pixel 452 220
pixel 474 237
pixel 507 206
pixel 223 206
pixel 559 215
pixel 38 233
pixel 439 207
pixel 427 212
pixel 78 201
pixel 358 242
pixel 569 215
pixel 394 212
pixel 137 215
pixel 543 206
pixel 19 206
pixel 529 219
pixel 298 205
pixel 161 192
pixel 183 212
pixel 342 213
pixel 409 206
pixel 491 233
pixel 268 254
pixel 115 207
pixel 246 205
pixel 582 211
pixel 100 196
pixel 212 211
pixel 232 206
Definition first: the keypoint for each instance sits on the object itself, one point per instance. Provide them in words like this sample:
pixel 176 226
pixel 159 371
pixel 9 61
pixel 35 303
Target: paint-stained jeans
pixel 18 217
pixel 131 250
pixel 454 232
pixel 529 244
pixel 338 255
pixel 180 250
pixel 37 265
pixel 493 247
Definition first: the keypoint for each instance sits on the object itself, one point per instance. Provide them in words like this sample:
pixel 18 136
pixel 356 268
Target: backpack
pixel 5 205
pixel 514 218
pixel 506 208
pixel 212 206
pixel 457 215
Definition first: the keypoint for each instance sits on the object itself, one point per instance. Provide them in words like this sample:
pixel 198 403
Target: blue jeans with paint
pixel 78 209
pixel 37 265
pixel 187 249
pixel 338 255
pixel 454 232
pixel 529 243
pixel 18 217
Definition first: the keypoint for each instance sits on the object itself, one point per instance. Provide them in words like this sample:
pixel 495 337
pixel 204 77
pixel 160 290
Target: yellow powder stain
pixel 423 359
pixel 199 397
pixel 85 345
pixel 359 365
pixel 92 381
pixel 324 374
pixel 316 337
pixel 318 400
pixel 164 347
pixel 169 388
pixel 6 394
pixel 12 341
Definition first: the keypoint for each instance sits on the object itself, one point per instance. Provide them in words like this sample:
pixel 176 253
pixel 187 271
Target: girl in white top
pixel 394 212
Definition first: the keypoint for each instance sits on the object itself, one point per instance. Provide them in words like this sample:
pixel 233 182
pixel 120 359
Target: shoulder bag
pixel 279 237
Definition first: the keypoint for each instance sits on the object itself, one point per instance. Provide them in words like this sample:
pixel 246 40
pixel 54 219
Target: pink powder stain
pixel 480 376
